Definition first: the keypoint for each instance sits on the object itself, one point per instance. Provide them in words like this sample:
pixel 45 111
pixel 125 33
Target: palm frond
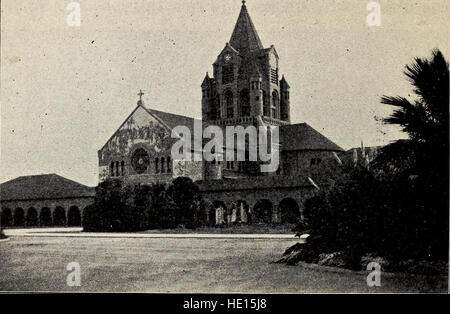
pixel 425 119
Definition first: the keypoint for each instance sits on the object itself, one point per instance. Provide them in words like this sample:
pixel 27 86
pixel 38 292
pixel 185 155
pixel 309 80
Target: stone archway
pixel 6 217
pixel 59 216
pixel 218 214
pixel 262 212
pixel 243 214
pixel 32 217
pixel 74 217
pixel 205 206
pixel 19 217
pixel 45 218
pixel 289 211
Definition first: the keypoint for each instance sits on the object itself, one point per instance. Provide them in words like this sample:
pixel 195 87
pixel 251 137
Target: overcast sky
pixel 65 90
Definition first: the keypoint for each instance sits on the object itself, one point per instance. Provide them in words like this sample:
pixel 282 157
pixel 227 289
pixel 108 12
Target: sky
pixel 65 89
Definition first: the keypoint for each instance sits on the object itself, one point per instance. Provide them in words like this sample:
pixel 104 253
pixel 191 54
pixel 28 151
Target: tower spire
pixel 244 37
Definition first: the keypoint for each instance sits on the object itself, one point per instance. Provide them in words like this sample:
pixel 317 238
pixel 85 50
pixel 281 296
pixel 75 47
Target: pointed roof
pixel 284 83
pixel 244 37
pixel 206 80
pixel 45 186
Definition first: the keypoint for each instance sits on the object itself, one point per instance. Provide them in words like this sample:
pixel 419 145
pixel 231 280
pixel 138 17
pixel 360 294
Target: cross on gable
pixel 140 94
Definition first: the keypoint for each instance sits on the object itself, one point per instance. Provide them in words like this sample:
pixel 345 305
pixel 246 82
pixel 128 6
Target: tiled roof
pixel 172 120
pixel 301 136
pixel 244 37
pixel 45 186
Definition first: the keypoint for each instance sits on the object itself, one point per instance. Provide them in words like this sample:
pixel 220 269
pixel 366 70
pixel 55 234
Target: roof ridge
pixel 302 136
pixel 43 186
pixel 174 114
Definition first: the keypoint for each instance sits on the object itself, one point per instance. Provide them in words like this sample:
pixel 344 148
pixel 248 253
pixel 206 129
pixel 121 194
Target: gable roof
pixel 45 186
pixel 172 120
pixel 301 136
pixel 244 37
pixel 169 120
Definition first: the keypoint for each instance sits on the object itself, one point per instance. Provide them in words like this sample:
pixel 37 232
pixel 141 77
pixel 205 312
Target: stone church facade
pixel 245 89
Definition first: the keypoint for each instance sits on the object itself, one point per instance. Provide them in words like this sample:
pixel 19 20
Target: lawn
pixel 234 229
pixel 180 265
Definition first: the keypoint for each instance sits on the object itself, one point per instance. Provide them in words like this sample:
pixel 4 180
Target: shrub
pixel 185 195
pixel 399 208
pixel 2 234
pixel 366 213
pixel 126 208
pixel 114 209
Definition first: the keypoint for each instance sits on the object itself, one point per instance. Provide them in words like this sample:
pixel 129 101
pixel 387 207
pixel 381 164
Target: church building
pixel 246 88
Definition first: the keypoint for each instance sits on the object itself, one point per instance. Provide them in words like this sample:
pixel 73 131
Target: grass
pixel 181 265
pixel 234 229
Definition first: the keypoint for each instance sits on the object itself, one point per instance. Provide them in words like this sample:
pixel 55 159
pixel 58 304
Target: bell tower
pixel 245 88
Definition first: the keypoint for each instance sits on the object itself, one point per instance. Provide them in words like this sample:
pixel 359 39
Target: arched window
pixel 162 164
pixel 117 169
pixel 275 105
pixel 169 165
pixel 156 165
pixel 111 169
pixel 228 96
pixel 122 167
pixel 265 104
pixel 227 74
pixel 244 102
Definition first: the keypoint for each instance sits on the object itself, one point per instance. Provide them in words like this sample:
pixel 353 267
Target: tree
pixel 114 209
pixel 397 207
pixel 186 195
pixel 164 210
pixel 418 167
pixel 426 118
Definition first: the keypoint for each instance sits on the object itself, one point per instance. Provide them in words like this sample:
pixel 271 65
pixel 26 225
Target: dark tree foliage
pixel 186 196
pixel 417 168
pixel 114 210
pixel 164 212
pixel 399 207
pixel 127 208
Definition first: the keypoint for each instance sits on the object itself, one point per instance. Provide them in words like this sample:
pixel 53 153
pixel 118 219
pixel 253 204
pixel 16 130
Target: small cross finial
pixel 140 94
pixel 243 2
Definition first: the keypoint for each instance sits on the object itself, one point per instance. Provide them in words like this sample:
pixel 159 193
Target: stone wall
pixel 304 162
